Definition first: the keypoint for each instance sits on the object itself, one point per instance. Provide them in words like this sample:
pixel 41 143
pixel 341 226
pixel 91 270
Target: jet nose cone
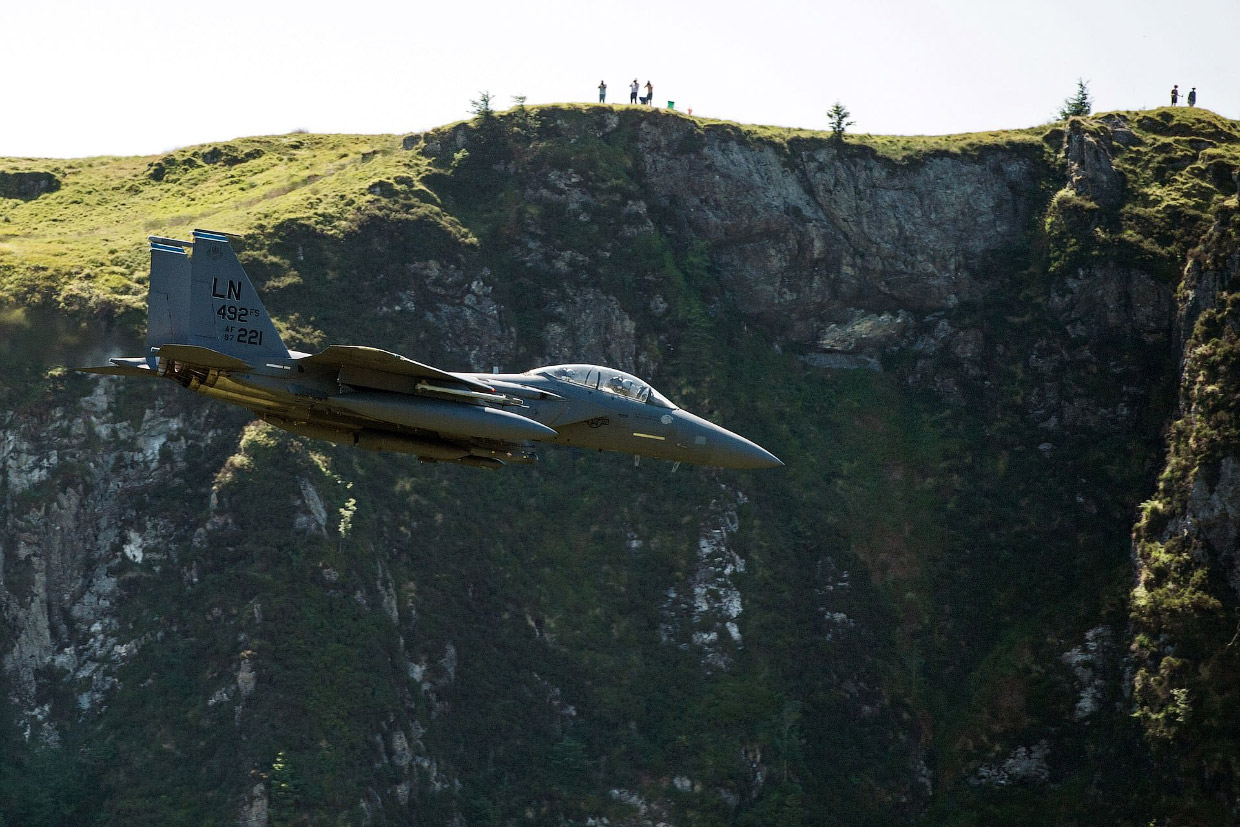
pixel 729 450
pixel 711 444
pixel 739 452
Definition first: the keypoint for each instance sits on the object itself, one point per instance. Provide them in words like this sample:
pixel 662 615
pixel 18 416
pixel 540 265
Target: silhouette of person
pixel 1175 94
pixel 633 91
pixel 602 91
pixel 649 93
pixel 1192 96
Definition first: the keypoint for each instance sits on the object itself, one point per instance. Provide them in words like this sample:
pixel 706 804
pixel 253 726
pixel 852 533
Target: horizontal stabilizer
pixel 121 368
pixel 203 357
pixel 359 356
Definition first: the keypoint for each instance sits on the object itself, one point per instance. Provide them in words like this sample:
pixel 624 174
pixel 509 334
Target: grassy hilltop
pixel 535 646
pixel 90 230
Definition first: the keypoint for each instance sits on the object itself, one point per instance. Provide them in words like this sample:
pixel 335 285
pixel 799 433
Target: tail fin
pixel 207 300
pixel 167 302
pixel 225 311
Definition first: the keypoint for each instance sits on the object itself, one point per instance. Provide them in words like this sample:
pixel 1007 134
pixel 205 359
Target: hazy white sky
pixel 140 77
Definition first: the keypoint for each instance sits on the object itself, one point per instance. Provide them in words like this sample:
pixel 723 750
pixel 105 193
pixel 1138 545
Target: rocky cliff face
pixel 816 234
pixel 1185 545
pixel 967 357
pixel 71 526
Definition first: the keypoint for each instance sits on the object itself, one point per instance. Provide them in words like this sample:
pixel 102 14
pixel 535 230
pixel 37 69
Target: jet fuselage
pixel 208 331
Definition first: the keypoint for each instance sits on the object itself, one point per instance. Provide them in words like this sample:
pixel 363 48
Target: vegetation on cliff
pixel 1185 604
pixel 927 606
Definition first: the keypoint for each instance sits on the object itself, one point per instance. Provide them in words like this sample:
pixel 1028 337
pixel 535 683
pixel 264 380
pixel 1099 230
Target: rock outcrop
pixel 27 186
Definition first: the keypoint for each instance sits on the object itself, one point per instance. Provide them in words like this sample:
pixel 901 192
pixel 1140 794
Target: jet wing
pixel 372 358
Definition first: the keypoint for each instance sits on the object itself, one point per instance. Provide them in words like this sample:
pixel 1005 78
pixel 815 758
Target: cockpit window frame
pixel 608 380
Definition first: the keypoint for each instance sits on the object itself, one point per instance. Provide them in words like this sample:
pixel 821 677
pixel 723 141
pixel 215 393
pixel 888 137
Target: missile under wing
pixel 208 330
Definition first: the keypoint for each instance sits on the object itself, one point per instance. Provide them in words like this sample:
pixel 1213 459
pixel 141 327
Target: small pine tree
pixel 1078 104
pixel 482 106
pixel 838 115
pixel 526 120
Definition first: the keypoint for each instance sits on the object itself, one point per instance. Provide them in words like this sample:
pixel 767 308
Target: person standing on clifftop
pixel 633 91
pixel 602 91
pixel 1175 94
pixel 1192 96
pixel 649 94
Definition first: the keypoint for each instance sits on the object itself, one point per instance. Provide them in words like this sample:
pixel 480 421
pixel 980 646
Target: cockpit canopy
pixel 609 380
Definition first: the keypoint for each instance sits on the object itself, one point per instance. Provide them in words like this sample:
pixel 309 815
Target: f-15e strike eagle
pixel 207 330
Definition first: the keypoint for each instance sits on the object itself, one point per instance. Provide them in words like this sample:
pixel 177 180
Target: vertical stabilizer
pixel 225 313
pixel 167 302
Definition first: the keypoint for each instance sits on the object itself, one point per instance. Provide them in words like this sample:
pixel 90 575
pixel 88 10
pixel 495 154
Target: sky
pixel 138 77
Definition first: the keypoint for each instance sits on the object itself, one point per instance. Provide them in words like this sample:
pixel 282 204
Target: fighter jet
pixel 208 331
